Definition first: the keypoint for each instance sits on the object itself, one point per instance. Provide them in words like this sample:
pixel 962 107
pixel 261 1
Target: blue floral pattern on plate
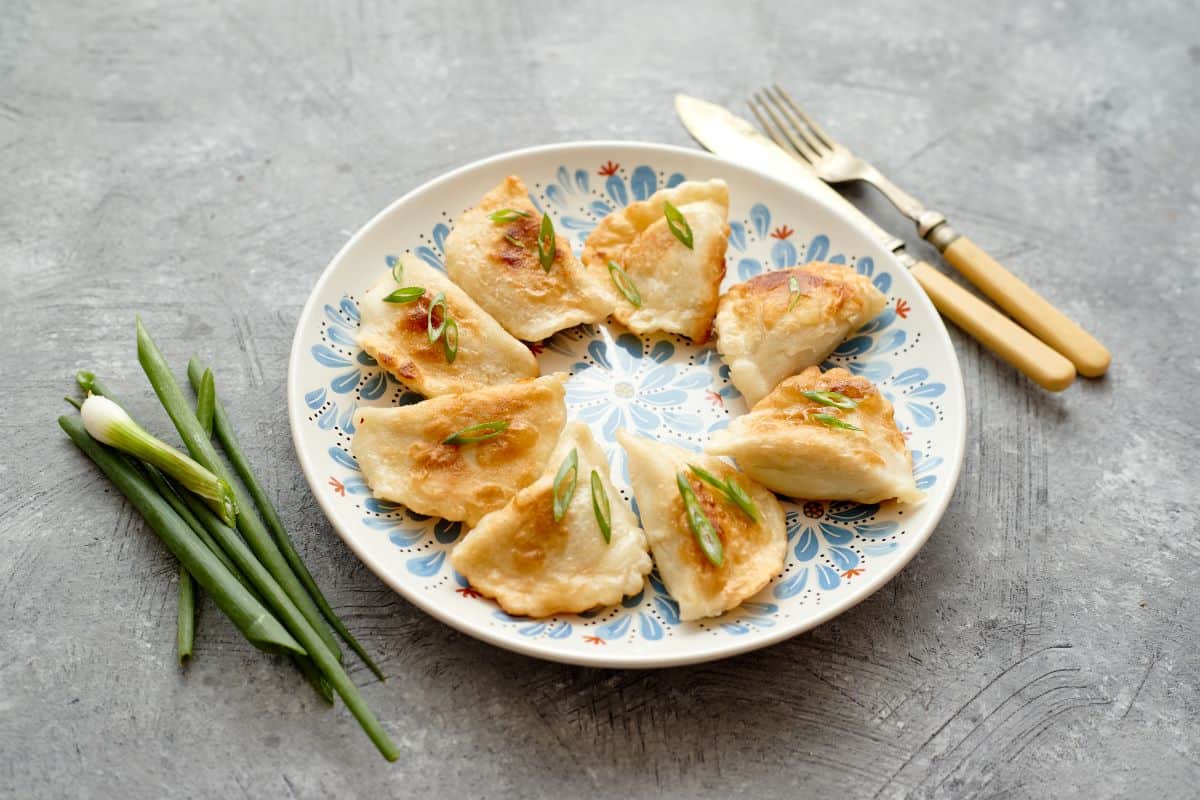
pixel 660 386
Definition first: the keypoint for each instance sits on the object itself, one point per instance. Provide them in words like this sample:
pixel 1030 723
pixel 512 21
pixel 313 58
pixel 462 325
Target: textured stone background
pixel 199 163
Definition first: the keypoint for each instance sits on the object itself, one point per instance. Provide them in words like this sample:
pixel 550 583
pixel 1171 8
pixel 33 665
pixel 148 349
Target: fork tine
pixel 775 134
pixel 801 146
pixel 816 129
pixel 819 146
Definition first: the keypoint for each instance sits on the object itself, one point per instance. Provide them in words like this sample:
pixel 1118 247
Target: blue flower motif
pixel 643 182
pixel 628 383
pixel 828 543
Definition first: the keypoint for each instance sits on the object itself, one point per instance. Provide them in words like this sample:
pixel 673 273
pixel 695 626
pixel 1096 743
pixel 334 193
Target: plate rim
pixel 535 648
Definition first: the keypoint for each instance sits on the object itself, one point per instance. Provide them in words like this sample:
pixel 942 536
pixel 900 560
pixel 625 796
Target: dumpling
pixel 534 566
pixel 777 323
pixel 397 336
pixel 796 441
pixel 496 262
pixel 405 459
pixel 753 550
pixel 677 286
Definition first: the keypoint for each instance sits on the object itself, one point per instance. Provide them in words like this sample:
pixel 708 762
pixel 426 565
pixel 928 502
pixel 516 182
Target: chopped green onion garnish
pixel 729 489
pixel 600 507
pixel 406 294
pixel 508 237
pixel 478 433
pixel 435 333
pixel 546 243
pixel 794 288
pixel 625 284
pixel 564 484
pixel 678 224
pixel 707 477
pixel 506 215
pixel 834 422
pixel 741 499
pixel 835 399
pixel 450 341
pixel 397 269
pixel 698 521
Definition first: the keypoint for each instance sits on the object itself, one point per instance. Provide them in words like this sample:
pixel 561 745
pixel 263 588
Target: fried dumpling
pixel 796 441
pixel 677 285
pixel 397 336
pixel 405 459
pixel 496 262
pixel 534 566
pixel 753 550
pixel 780 322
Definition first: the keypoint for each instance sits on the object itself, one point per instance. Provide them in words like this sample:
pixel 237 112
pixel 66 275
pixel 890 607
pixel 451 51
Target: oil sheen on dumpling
pixel 397 336
pixel 754 551
pixel 536 566
pixel 787 444
pixel 678 285
pixel 765 337
pixel 404 460
pixel 497 264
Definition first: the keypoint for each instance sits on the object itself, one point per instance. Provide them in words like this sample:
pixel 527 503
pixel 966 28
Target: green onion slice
pixel 546 243
pixel 600 507
pixel 450 341
pixel 397 268
pixel 435 333
pixel 508 237
pixel 406 294
pixel 478 433
pixel 835 399
pixel 678 224
pixel 794 288
pixel 564 484
pixel 625 284
pixel 698 521
pixel 707 477
pixel 834 422
pixel 741 499
pixel 506 215
pixel 729 489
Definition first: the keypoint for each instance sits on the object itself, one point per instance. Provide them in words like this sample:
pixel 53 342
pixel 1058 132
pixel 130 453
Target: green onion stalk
pixel 324 658
pixel 241 465
pixel 108 424
pixel 255 622
pixel 201 448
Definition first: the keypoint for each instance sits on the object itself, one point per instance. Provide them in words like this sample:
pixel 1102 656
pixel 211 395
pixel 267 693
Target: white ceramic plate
pixel 660 385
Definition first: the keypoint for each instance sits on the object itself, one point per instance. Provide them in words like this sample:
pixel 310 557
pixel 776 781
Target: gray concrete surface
pixel 199 163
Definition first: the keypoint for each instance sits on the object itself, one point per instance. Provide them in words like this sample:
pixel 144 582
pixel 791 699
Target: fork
pixel 799 135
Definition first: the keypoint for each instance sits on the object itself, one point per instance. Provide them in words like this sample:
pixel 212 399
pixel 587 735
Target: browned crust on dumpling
pixel 497 263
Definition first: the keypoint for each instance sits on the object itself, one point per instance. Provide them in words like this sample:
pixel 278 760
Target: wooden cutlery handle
pixel 993 330
pixel 1028 307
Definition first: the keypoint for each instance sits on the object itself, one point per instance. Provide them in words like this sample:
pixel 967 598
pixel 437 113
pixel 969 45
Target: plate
pixel 659 385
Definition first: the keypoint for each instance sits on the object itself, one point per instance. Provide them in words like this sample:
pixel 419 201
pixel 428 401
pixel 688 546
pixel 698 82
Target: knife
pixel 734 139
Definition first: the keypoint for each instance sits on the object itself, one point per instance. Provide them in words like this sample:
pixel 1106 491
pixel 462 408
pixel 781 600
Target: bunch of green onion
pixel 229 540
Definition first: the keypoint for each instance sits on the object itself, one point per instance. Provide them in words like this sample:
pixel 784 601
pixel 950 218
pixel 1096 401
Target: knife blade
pixel 734 139
pixel 737 140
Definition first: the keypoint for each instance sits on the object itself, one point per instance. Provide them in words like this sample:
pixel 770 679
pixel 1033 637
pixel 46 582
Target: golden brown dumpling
pixel 536 566
pixel 678 285
pixel 404 458
pixel 497 264
pixel 793 444
pixel 397 336
pixel 764 337
pixel 753 551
